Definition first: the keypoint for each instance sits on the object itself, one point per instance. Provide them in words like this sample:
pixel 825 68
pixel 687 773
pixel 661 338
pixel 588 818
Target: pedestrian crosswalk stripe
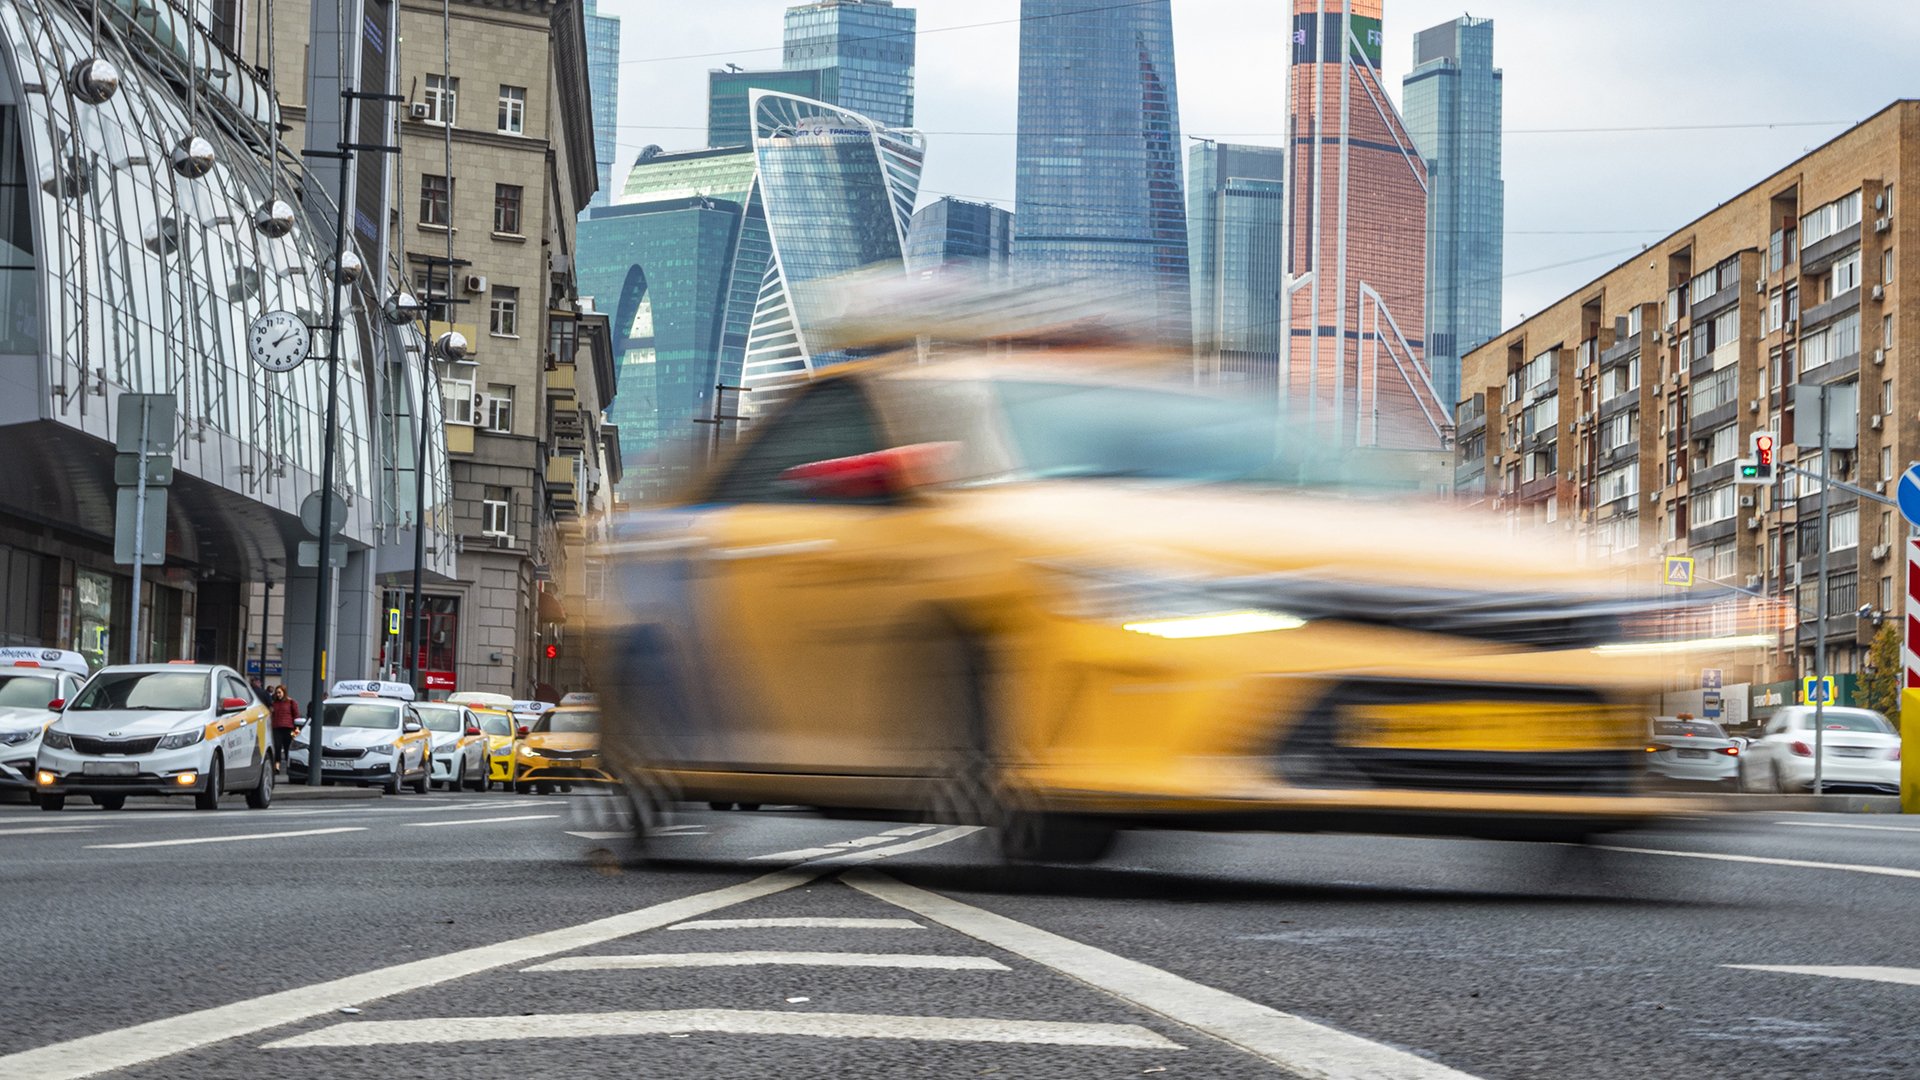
pixel 1904 976
pixel 802 922
pixel 473 1029
pixel 635 962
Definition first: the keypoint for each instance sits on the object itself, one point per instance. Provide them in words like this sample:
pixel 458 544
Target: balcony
pixel 1728 296
pixel 1623 350
pixel 561 485
pixel 1832 309
pixel 1823 253
pixel 562 382
pixel 1537 490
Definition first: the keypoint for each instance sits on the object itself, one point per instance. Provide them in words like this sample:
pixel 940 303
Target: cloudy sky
pixel 1624 118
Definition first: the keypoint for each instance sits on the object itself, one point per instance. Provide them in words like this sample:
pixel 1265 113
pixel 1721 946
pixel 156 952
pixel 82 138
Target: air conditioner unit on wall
pixel 1879 357
pixel 476 283
pixel 1746 502
pixel 1878 422
pixel 1881 224
pixel 1753 524
pixel 1879 292
pixel 419 110
pixel 1882 551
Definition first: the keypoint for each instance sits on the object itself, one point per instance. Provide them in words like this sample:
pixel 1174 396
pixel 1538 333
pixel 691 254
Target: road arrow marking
pixel 637 962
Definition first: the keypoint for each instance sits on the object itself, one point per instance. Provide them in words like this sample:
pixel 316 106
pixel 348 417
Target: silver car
pixel 1687 751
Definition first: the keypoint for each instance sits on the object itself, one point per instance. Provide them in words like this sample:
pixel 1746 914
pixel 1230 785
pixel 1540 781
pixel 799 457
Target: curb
pixel 1825 804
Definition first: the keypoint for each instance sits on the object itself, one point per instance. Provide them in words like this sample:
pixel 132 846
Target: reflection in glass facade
pixel 1453 106
pixel 729 123
pixel 1236 212
pixel 954 234
pixel 866 49
pixel 603 84
pixel 838 191
pixel 1097 184
pixel 144 280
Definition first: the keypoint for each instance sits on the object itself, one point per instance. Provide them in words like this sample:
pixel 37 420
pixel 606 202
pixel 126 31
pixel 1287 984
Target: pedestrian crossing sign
pixel 1817 691
pixel 393 621
pixel 1680 571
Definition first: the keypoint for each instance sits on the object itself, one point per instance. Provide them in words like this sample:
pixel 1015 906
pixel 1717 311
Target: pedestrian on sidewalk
pixel 286 717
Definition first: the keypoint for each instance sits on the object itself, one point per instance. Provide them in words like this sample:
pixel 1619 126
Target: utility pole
pixel 720 416
pixel 1820 636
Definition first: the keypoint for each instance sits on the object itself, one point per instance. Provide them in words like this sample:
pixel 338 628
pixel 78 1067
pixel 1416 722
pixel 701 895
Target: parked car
pixel 1682 750
pixel 1860 752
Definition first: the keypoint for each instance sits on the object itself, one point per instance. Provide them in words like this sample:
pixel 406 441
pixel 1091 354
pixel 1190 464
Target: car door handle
pixel 768 551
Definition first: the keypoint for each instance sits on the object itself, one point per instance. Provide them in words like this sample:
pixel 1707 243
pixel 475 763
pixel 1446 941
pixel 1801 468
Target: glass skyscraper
pixel 730 123
pixel 1098 192
pixel 955 233
pixel 603 83
pixel 1236 214
pixel 866 46
pixel 1453 104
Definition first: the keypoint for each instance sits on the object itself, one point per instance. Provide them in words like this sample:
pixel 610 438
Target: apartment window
pixel 1886 594
pixel 500 408
pixel 1886 331
pixel 1542 416
pixel 1620 380
pixel 1886 463
pixel 506 208
pixel 1773 367
pixel 436 200
pixel 1774 311
pixel 431 288
pixel 513 109
pixel 1886 526
pixel 456 389
pixel 1835 217
pixel 1722 446
pixel 1539 370
pixel 1793 302
pixel 443 99
pixel 1620 533
pixel 1775 246
pixel 1845 276
pixel 1634 315
pixel 1713 505
pixel 1886 396
pixel 496 512
pixel 1843 593
pixel 1620 430
pixel 1846 337
pixel 1886 267
pixel 503 316
pixel 1843 529
pixel 1622 482
pixel 1715 562
pixel 1715 390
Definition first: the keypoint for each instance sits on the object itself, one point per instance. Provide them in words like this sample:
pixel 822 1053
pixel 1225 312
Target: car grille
pixel 87 744
pixel 340 752
pixel 569 755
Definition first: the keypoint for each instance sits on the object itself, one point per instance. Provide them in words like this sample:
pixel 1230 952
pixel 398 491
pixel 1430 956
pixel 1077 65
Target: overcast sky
pixel 1578 201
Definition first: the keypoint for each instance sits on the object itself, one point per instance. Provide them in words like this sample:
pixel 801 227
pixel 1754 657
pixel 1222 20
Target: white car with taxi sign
pixel 30 680
pixel 158 729
pixel 459 745
pixel 373 735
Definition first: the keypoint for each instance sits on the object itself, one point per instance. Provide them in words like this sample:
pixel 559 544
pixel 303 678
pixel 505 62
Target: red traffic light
pixel 553 652
pixel 1763 449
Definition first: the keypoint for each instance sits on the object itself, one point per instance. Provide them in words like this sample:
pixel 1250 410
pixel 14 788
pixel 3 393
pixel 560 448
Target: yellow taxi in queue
pixel 496 723
pixel 561 749
pixel 1064 604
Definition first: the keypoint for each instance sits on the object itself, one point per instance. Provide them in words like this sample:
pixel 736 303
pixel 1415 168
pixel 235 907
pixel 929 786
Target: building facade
pixel 1453 102
pixel 951 235
pixel 1236 222
pixel 603 83
pixel 865 52
pixel 730 121
pixel 1354 364
pixel 1621 412
pixel 1098 191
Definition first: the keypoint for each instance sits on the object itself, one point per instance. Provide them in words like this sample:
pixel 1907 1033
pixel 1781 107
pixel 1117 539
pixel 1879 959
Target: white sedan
pixel 1859 751
pixel 459 746
pixel 30 680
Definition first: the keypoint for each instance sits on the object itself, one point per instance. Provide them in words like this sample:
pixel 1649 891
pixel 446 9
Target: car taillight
pixel 1801 749
pixel 1730 751
pixel 1896 754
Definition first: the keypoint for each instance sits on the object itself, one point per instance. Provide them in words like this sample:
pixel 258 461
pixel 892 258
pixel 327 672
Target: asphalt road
pixel 483 936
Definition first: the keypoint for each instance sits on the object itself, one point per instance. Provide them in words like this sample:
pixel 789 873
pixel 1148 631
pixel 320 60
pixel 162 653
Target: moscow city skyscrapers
pixel 1453 106
pixel 1236 211
pixel 866 47
pixel 1098 191
pixel 603 86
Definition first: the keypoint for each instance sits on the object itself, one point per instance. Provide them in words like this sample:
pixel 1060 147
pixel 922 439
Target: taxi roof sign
pixel 580 698
pixel 479 697
pixel 396 691
pixel 31 656
pixel 531 706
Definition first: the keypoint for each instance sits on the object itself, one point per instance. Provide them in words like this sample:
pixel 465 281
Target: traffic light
pixel 553 652
pixel 1758 467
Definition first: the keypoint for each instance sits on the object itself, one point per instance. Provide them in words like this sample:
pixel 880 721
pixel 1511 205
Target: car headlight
pixel 383 748
pixel 57 740
pixel 178 739
pixel 15 738
pixel 299 742
pixel 528 751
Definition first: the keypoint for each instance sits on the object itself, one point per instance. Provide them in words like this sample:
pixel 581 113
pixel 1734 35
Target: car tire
pixel 420 785
pixel 479 782
pixel 109 802
pixel 1778 780
pixel 520 789
pixel 749 806
pixel 719 806
pixel 53 802
pixel 260 796
pixel 210 798
pixel 393 783
pixel 1028 836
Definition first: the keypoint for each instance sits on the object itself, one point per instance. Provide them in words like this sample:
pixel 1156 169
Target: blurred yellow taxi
pixel 1063 604
pixel 494 712
pixel 561 749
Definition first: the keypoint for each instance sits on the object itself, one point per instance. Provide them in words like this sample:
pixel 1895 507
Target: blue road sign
pixel 1910 495
pixel 1710 705
pixel 1817 691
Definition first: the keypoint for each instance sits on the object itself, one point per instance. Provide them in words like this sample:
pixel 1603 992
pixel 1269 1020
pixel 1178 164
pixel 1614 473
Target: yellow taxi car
pixel 494 712
pixel 1063 604
pixel 561 749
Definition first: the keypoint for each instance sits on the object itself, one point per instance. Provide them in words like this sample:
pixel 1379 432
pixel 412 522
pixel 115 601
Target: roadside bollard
pixel 1910 751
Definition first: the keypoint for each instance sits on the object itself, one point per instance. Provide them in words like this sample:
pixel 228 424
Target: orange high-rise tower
pixel 1353 368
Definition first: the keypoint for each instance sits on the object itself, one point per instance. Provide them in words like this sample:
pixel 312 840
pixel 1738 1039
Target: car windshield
pixel 570 722
pixel 441 717
pixel 1694 728
pixel 494 723
pixel 31 691
pixel 1069 430
pixel 357 715
pixel 1853 720
pixel 143 690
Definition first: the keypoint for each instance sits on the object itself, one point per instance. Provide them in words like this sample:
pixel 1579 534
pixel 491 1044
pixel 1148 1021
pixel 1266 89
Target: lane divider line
pixel 727 1022
pixel 1903 976
pixel 44 829
pixel 1300 1045
pixel 799 922
pixel 222 840
pixel 480 821
pixel 1848 825
pixel 771 958
pixel 1852 868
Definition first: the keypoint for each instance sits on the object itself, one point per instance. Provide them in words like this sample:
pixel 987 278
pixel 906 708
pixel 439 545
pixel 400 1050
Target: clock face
pixel 278 340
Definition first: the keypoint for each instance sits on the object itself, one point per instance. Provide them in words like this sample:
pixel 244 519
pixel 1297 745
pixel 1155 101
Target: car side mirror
pixel 881 474
pixel 473 730
pixel 410 728
pixel 56 704
pixel 233 704
pixel 523 731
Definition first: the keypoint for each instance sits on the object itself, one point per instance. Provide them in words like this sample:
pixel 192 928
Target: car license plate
pixel 110 768
pixel 348 764
pixel 1849 751
pixel 1693 753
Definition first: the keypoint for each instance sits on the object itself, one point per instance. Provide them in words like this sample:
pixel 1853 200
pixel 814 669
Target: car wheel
pixel 479 782
pixel 210 798
pixel 53 802
pixel 1778 779
pixel 392 785
pixel 109 802
pixel 420 785
pixel 1028 836
pixel 749 806
pixel 719 806
pixel 261 796
pixel 520 789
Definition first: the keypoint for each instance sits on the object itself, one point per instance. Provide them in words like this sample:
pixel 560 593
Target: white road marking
pixel 1854 868
pixel 826 849
pixel 1903 976
pixel 156 1039
pixel 1302 1046
pixel 859 858
pixel 910 830
pixel 804 922
pixel 441 809
pixel 627 834
pixel 768 958
pixel 728 1022
pixel 678 830
pixel 1846 825
pixel 480 821
pixel 32 830
pixel 591 835
pixel 225 839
